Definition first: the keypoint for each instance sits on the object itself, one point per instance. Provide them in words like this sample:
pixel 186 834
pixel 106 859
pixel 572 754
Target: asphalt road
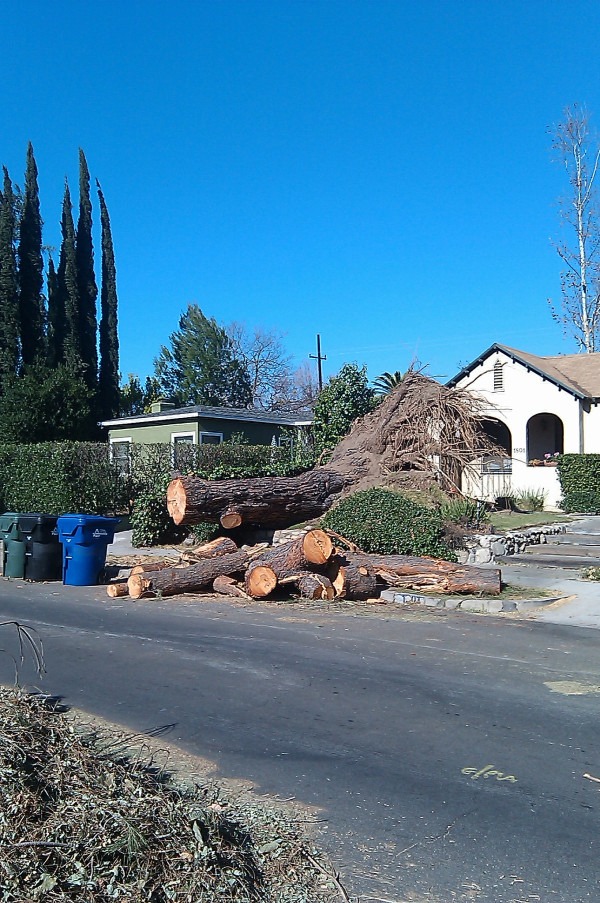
pixel 446 754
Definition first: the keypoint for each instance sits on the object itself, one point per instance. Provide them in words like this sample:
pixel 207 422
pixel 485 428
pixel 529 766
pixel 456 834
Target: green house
pixel 201 424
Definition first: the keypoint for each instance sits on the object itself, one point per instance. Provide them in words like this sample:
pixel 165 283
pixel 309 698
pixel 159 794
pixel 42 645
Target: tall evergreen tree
pixel 56 318
pixel 108 382
pixel 9 283
pixel 86 281
pixel 31 268
pixel 66 303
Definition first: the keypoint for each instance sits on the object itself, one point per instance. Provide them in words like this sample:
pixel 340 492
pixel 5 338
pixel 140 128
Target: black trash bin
pixel 13 553
pixel 43 552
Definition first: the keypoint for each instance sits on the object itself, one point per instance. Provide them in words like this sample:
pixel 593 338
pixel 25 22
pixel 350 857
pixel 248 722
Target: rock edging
pixel 485 548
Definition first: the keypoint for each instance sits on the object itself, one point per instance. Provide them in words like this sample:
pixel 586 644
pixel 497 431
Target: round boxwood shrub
pixel 383 521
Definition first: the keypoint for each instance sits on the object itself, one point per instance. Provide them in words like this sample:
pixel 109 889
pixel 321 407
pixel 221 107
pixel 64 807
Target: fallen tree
pixel 262 501
pixel 312 568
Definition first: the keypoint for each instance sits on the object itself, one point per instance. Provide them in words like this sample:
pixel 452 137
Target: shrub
pixel 151 523
pixel 59 477
pixel 467 512
pixel 379 520
pixel 530 499
pixel 579 477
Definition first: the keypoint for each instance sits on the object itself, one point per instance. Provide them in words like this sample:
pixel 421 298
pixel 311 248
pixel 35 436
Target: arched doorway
pixel 545 437
pixel 498 433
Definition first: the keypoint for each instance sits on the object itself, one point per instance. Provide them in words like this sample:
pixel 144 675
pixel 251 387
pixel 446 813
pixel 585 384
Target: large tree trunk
pixel 263 501
pixel 431 573
pixel 353 576
pixel 171 581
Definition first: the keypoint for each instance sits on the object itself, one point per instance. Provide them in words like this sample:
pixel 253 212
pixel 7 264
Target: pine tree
pixel 9 283
pixel 31 268
pixel 66 304
pixel 109 390
pixel 86 281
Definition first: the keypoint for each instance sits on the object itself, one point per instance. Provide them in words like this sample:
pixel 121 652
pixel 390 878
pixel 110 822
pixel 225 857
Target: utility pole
pixel 319 357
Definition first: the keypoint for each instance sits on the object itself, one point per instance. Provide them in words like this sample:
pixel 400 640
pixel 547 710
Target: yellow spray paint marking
pixel 572 687
pixel 488 771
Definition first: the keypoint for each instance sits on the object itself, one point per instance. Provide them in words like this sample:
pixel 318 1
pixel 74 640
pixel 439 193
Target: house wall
pixel 524 394
pixel 255 433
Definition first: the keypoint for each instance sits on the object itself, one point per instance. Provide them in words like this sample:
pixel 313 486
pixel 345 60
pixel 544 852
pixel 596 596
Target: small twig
pixel 39 843
pixel 591 777
pixel 330 874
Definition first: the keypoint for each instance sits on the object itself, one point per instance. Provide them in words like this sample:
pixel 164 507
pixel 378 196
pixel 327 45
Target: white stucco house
pixel 536 407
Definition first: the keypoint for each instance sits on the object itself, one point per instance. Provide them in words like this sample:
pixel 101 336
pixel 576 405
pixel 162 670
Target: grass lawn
pixel 515 520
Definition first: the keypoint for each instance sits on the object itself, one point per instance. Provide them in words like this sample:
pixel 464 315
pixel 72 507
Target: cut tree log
pixel 222 545
pixel 315 586
pixel 171 581
pixel 262 501
pixel 442 576
pixel 352 576
pixel 150 566
pixel 228 586
pixel 289 559
pixel 114 590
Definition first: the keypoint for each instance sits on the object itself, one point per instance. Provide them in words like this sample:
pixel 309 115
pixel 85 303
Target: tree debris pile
pixel 311 566
pixel 421 429
pixel 81 820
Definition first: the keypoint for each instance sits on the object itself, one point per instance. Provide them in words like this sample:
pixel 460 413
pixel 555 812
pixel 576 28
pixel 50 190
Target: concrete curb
pixel 485 606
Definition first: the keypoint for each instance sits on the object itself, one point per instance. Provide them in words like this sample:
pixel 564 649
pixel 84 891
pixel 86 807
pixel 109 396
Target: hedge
pixel 387 522
pixel 579 477
pixel 60 477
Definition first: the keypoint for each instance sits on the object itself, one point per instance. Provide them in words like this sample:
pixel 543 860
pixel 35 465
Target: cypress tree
pixel 66 304
pixel 56 318
pixel 86 281
pixel 9 283
pixel 31 268
pixel 109 339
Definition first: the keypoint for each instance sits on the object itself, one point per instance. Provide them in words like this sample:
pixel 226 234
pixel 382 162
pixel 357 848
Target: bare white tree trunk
pixel 580 281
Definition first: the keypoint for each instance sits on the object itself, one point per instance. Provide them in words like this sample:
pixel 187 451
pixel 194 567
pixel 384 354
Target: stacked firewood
pixel 313 566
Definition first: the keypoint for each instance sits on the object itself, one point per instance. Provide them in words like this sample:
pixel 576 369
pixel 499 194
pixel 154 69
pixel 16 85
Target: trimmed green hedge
pixel 579 477
pixel 60 477
pixel 383 521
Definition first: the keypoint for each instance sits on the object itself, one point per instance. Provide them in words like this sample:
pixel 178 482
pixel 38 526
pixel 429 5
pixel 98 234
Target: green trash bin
pixel 13 558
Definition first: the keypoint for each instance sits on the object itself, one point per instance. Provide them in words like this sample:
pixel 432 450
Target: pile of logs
pixel 310 566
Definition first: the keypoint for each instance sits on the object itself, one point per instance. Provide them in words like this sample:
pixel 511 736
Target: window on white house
pixel 498 377
pixel 120 454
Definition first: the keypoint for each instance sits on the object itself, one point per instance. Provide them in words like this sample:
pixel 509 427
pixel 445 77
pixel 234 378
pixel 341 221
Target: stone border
pixel 485 548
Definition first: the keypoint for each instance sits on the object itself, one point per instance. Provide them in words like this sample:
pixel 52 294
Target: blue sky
pixel 376 172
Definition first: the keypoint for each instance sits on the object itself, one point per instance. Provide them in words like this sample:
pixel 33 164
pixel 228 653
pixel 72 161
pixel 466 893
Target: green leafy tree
pixel 86 281
pixel 9 283
pixel 200 366
pixel 387 382
pixel 44 404
pixel 136 398
pixel 31 268
pixel 344 398
pixel 108 381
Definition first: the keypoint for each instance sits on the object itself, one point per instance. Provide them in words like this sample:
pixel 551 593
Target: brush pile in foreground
pixel 82 820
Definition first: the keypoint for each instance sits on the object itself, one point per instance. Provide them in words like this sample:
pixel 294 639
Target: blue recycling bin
pixel 85 539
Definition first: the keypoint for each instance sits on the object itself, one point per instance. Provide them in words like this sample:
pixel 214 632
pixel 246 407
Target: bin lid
pixel 69 523
pixel 28 521
pixel 8 520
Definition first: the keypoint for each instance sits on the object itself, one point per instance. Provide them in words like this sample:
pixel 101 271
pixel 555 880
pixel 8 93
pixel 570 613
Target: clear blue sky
pixel 378 172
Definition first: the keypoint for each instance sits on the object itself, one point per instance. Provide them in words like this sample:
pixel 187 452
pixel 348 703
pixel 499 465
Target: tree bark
pixel 171 581
pixel 315 586
pixel 263 501
pixel 228 586
pixel 442 576
pixel 353 576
